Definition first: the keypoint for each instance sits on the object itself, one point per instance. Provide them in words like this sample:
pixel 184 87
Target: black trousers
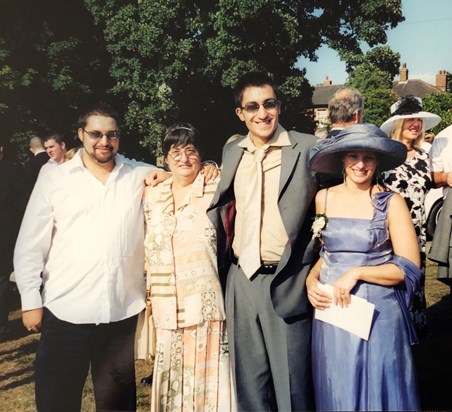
pixel 65 353
pixel 4 297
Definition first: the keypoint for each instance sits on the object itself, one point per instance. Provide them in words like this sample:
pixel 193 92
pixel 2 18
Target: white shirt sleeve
pixel 33 244
pixel 437 153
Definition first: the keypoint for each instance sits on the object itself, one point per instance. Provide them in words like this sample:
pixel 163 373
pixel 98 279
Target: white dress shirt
pixel 441 154
pixel 87 240
pixel 51 164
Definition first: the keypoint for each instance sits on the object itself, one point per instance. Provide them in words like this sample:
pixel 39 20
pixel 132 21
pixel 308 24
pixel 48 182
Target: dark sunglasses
pixel 254 107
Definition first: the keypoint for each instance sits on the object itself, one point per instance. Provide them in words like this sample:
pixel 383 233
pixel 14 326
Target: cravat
pixel 250 236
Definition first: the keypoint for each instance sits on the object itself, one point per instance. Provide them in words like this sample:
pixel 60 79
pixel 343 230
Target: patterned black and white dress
pixel 412 180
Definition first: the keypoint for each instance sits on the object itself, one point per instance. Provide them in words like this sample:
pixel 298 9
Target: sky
pixel 424 41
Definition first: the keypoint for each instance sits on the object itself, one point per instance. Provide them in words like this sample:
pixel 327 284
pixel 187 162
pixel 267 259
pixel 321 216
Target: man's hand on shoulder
pixel 156 176
pixel 210 170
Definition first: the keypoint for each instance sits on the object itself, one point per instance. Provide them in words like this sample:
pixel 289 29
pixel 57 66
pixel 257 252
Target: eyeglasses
pixel 176 155
pixel 254 107
pixel 96 135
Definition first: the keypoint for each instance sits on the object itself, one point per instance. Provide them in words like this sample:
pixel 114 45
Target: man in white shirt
pixel 81 241
pixel 441 159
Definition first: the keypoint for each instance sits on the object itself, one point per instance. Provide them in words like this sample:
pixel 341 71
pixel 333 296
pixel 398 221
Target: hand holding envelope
pixel 356 318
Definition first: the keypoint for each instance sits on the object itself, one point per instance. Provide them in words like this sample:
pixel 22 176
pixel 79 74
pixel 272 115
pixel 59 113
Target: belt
pixel 265 268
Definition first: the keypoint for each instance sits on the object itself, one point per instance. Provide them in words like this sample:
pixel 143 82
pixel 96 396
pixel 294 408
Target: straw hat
pixel 410 107
pixel 326 156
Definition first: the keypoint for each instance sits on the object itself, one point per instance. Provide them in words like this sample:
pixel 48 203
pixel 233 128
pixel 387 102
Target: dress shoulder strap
pixel 326 200
pixel 380 202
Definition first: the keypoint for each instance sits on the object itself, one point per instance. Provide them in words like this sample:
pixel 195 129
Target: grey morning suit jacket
pixel 297 189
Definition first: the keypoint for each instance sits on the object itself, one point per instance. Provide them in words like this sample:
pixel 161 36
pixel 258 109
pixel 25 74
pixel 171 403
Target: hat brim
pixel 390 153
pixel 430 120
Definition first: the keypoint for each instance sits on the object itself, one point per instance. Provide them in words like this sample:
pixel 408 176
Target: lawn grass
pixel 433 358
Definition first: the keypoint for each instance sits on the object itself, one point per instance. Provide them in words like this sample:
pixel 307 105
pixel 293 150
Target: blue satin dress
pixel 349 373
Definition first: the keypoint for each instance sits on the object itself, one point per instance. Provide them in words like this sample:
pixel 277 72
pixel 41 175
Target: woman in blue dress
pixel 370 250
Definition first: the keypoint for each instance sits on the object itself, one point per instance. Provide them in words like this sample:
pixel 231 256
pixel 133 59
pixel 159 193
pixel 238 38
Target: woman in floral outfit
pixel 412 180
pixel 192 369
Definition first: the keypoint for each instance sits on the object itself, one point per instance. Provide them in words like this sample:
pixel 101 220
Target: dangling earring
pixel 343 172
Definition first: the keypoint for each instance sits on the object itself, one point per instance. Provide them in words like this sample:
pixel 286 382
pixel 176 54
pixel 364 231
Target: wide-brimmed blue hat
pixel 326 156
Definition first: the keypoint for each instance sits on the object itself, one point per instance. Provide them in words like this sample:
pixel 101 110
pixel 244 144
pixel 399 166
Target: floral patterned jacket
pixel 180 245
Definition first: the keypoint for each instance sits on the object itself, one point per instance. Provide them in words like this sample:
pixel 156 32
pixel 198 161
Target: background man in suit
pixel 11 209
pixel 33 165
pixel 55 146
pixel 268 315
pixel 345 108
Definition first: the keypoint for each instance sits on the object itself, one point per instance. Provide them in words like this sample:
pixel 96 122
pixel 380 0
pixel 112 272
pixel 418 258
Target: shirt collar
pixel 77 163
pixel 279 139
pixel 197 190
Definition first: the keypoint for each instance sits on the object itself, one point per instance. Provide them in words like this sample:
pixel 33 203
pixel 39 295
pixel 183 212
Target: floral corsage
pixel 319 224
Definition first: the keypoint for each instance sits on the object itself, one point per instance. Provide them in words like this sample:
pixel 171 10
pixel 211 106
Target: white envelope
pixel 356 318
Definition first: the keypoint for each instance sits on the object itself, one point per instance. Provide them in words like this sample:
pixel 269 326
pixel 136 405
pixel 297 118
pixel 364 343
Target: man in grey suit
pixel 268 314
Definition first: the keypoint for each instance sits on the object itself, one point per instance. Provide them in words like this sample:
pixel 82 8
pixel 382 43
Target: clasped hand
pixel 341 295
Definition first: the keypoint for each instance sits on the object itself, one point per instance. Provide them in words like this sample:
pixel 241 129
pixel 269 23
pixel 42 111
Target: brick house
pixel 402 87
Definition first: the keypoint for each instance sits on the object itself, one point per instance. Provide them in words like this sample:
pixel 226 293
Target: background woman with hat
pixel 369 249
pixel 412 179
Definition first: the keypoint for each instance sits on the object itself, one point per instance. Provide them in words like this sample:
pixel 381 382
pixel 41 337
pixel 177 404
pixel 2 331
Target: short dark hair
pixel 257 79
pixel 58 137
pixel 178 134
pixel 99 109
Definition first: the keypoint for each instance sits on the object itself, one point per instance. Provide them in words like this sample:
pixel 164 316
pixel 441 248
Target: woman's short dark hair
pixel 178 134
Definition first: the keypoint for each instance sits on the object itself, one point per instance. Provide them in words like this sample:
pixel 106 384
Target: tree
pixel 162 61
pixel 52 62
pixel 375 85
pixel 382 58
pixel 179 59
pixel 440 104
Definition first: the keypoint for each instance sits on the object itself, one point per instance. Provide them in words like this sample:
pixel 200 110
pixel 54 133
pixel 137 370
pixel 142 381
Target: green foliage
pixel 164 61
pixel 440 104
pixel 52 62
pixel 375 86
pixel 178 60
pixel 381 57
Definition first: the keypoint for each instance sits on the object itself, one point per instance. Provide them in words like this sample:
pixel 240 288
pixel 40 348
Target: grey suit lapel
pixel 231 160
pixel 289 157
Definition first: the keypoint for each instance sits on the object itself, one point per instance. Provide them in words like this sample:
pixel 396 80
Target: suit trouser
pixel 271 358
pixel 65 353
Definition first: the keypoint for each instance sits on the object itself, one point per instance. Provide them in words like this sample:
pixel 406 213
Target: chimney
pixel 403 73
pixel 327 82
pixel 441 80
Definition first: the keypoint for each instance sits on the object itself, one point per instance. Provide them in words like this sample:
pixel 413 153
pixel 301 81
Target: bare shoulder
pixel 397 206
pixel 397 201
pixel 321 194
